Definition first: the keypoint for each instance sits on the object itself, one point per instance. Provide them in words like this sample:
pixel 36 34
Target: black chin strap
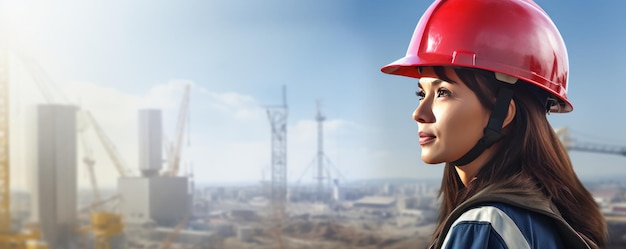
pixel 492 132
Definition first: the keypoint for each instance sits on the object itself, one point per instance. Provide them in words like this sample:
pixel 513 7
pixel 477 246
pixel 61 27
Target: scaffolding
pixel 278 120
pixel 323 177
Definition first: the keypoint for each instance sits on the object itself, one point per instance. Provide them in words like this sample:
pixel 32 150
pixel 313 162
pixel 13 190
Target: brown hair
pixel 530 153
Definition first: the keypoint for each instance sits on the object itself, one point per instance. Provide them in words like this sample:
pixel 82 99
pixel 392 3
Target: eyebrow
pixel 435 83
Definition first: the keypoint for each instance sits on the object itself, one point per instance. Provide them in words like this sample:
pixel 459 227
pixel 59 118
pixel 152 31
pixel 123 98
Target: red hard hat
pixel 511 37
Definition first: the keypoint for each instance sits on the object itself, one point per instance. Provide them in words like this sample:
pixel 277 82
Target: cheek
pixel 461 126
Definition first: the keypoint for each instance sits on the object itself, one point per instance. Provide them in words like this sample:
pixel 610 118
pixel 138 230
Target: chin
pixel 429 160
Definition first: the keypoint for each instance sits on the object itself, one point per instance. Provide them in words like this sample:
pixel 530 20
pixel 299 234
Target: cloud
pixel 234 161
pixel 241 107
pixel 166 96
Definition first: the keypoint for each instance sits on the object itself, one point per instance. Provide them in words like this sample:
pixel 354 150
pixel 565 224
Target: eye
pixel 443 92
pixel 420 94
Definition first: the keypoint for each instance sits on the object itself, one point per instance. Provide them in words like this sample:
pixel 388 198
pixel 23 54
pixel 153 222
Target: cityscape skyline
pixel 115 58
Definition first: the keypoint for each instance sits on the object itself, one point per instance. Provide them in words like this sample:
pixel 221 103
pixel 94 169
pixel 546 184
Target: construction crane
pixel 174 153
pixel 104 225
pixel 107 144
pixel 46 87
pixel 5 195
pixel 9 238
pixel 563 133
pixel 89 162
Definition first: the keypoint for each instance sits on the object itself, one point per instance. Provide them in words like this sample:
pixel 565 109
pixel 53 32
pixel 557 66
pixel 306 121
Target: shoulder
pixel 497 225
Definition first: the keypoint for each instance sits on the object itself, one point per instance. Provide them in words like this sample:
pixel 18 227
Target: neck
pixel 469 171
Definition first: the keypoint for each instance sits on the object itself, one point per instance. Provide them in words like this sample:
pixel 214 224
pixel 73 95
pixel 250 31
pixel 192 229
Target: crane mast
pixel 90 162
pixel 104 225
pixel 5 195
pixel 8 238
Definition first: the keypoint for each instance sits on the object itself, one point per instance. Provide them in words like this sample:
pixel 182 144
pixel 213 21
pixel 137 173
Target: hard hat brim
pixel 407 66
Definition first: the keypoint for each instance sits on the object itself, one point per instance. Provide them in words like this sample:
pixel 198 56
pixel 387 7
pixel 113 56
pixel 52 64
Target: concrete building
pixel 55 160
pixel 150 197
pixel 383 202
pixel 150 142
pixel 164 200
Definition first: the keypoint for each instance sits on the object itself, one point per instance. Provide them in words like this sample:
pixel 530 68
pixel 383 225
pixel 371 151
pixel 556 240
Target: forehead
pixel 428 75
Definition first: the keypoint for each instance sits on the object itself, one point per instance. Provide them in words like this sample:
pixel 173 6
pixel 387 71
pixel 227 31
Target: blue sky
pixel 115 57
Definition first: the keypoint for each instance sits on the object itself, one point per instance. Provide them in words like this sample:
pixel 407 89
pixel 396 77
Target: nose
pixel 424 113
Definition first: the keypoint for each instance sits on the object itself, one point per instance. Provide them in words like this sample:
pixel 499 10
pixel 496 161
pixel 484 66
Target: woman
pixel 489 71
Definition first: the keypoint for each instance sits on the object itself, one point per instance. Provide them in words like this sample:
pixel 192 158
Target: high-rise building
pixel 150 142
pixel 55 160
pixel 152 197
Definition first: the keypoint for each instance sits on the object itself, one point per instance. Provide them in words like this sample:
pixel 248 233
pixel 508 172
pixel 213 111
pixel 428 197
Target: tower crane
pixel 89 161
pixel 44 83
pixel 174 153
pixel 9 238
pixel 563 133
pixel 104 225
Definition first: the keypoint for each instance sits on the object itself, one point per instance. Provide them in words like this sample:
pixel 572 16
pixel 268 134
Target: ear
pixel 510 114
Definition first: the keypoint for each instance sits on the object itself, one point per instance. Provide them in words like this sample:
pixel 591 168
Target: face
pixel 449 117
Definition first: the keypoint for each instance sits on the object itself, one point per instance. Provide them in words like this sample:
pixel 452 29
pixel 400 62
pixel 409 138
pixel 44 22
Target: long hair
pixel 530 154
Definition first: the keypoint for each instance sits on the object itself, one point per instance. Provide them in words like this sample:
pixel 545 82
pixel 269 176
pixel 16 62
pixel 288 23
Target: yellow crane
pixel 8 238
pixel 90 162
pixel 174 153
pixel 103 225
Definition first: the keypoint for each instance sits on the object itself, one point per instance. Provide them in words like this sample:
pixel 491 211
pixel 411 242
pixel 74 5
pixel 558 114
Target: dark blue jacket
pixel 500 226
pixel 499 217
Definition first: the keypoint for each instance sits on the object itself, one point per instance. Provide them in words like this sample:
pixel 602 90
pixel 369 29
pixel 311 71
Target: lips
pixel 426 138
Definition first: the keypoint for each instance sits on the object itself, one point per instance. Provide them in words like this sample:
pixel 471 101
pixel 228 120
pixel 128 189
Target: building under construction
pixel 143 196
